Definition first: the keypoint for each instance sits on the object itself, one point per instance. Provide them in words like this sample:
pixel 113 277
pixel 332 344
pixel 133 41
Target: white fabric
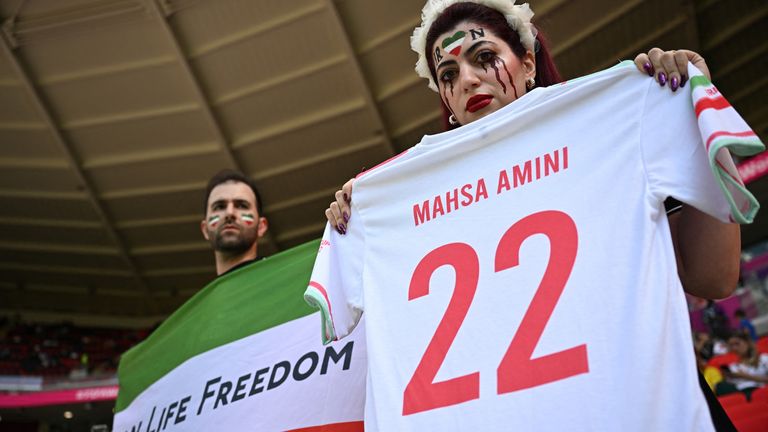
pixel 760 370
pixel 630 144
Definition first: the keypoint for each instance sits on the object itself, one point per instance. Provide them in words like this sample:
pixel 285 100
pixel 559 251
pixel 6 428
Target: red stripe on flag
pixel 736 178
pixel 336 427
pixel 717 103
pixel 718 134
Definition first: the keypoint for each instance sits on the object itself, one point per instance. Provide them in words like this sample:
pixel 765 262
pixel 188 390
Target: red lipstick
pixel 478 102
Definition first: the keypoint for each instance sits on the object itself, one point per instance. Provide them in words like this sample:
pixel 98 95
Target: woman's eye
pixel 448 76
pixel 485 56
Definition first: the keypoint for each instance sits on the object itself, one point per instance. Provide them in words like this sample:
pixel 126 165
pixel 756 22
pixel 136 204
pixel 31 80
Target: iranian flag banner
pixel 724 131
pixel 243 355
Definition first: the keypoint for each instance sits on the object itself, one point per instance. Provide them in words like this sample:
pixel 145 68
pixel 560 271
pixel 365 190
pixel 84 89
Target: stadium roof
pixel 114 113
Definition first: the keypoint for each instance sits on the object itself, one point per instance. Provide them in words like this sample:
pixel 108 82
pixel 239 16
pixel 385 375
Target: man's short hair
pixel 229 175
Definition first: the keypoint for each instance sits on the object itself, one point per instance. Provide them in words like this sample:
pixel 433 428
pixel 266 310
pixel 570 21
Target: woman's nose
pixel 469 79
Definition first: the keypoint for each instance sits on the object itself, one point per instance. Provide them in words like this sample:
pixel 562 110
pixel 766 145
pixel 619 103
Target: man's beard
pixel 231 244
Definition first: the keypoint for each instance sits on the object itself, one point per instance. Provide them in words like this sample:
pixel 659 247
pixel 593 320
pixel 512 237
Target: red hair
pixel 493 20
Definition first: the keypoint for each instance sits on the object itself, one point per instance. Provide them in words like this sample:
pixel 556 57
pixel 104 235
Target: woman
pixel 515 60
pixel 482 55
pixel 750 373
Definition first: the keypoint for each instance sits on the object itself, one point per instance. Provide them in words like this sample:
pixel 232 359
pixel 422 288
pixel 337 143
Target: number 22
pixel 517 370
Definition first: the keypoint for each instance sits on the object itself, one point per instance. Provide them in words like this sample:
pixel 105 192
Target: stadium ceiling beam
pixel 162 10
pixel 74 161
pixel 692 38
pixel 622 9
pixel 364 85
pixel 657 33
pixel 728 32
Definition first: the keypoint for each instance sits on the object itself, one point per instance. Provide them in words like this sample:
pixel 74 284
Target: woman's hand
pixel 670 66
pixel 338 212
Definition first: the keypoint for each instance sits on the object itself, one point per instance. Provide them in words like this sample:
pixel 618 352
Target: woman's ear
pixel 529 63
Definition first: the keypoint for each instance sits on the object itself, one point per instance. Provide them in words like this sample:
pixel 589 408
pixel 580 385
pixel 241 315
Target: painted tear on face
pixel 452 44
pixel 213 221
pixel 494 64
pixel 444 96
pixel 248 219
pixel 509 75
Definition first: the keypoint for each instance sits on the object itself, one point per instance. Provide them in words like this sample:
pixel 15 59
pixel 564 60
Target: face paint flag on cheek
pixel 453 43
pixel 213 221
pixel 247 219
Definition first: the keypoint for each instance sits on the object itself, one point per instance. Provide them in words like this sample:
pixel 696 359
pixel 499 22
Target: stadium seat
pixel 758 423
pixel 732 399
pixel 762 344
pixel 746 411
pixel 760 395
pixel 723 359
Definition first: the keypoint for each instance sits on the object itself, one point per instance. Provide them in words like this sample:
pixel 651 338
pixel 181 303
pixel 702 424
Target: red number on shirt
pixel 422 393
pixel 517 370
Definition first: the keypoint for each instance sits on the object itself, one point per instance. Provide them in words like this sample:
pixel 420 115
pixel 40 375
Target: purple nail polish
pixel 648 68
pixel 673 84
pixel 346 198
pixel 683 80
pixel 345 216
pixel 338 230
pixel 662 78
pixel 342 228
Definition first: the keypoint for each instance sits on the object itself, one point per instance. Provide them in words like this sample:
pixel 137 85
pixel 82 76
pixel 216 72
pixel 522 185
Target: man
pixel 233 223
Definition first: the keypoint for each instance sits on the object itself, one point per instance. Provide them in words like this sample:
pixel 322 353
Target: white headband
pixel 518 17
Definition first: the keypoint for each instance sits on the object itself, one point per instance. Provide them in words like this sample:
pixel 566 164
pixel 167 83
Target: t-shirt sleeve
pixel 686 142
pixel 335 286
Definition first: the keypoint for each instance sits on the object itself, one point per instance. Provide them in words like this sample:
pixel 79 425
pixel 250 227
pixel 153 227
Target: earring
pixel 452 120
pixel 530 83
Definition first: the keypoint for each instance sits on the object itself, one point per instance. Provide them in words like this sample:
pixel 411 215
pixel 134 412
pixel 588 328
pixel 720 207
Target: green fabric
pixel 700 81
pixel 251 299
pixel 316 300
pixel 741 216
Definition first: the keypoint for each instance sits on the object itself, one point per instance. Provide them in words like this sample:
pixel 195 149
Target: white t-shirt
pixel 461 336
pixel 760 370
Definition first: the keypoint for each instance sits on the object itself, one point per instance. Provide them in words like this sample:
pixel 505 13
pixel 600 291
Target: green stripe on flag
pixel 254 298
pixel 699 81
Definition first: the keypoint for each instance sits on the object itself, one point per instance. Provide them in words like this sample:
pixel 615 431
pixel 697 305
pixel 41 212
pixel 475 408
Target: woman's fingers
pixel 667 60
pixel 333 214
pixel 670 67
pixel 681 61
pixel 654 56
pixel 643 64
pixel 342 212
pixel 699 62
pixel 338 211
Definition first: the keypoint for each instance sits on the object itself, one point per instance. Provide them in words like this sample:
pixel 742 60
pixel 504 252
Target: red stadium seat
pixel 745 411
pixel 758 423
pixel 723 359
pixel 762 344
pixel 760 395
pixel 733 399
